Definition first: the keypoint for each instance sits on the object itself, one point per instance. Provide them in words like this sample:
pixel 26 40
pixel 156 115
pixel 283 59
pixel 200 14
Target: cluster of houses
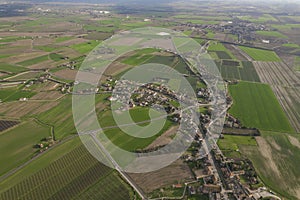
pixel 151 94
pixel 240 178
pixel 204 94
pixel 45 144
pixel 69 65
pixel 243 29
pixel 232 122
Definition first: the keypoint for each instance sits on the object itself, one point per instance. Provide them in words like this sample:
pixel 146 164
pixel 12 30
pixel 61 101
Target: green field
pixel 285 27
pixel 125 141
pixel 259 19
pixel 220 50
pixel 45 48
pixel 61 118
pixel 284 159
pixel 230 145
pixel 86 47
pixel 210 34
pixel 73 174
pixel 257 107
pixel 297 63
pixel 62 39
pixel 33 61
pixel 137 59
pixel 271 34
pixel 56 57
pixel 5 67
pixel 292 45
pixel 14 94
pixel 139 114
pixel 18 142
pixel 11 39
pixel 260 54
pixel 40 163
pixel 245 72
pixel 140 56
pixel 203 17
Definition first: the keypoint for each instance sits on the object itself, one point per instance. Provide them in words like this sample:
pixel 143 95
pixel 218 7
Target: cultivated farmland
pixel 257 107
pixel 230 145
pixel 285 85
pixel 4 124
pixel 277 161
pixel 260 54
pixel 72 175
pixel 30 133
pixel 221 51
pixel 231 70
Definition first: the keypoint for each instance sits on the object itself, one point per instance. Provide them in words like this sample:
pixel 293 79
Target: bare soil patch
pixel 266 152
pixel 68 52
pixel 73 41
pixel 66 74
pixel 164 139
pixel 294 141
pixel 126 41
pixel 23 57
pixel 43 41
pixel 48 64
pixel 116 68
pixel 177 172
pixel 236 52
pixel 50 95
pixel 20 109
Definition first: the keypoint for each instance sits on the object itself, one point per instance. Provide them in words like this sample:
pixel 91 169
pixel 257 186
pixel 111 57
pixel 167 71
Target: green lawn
pixel 17 143
pixel 257 107
pixel 260 54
